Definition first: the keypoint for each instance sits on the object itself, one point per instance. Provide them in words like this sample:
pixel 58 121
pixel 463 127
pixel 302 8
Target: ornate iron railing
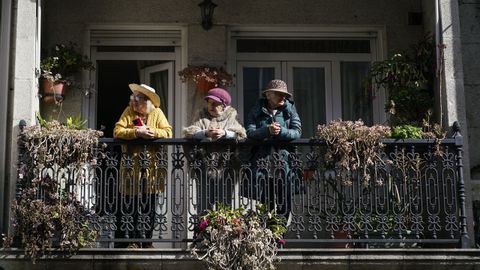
pixel 154 191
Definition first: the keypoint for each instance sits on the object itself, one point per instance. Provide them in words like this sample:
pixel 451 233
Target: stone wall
pixel 470 31
pixel 300 259
pixel 65 20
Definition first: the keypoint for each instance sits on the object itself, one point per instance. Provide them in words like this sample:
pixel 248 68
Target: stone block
pixel 186 265
pixel 469 16
pixel 472 95
pixel 471 67
pixel 474 150
pixel 325 266
pixel 22 264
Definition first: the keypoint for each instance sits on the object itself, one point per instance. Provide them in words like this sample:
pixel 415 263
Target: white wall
pixel 22 90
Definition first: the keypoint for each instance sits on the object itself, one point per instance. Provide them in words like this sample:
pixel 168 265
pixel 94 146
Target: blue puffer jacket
pixel 259 119
pixel 277 158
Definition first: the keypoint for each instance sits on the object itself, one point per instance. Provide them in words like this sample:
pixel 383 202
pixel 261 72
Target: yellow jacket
pixel 157 122
pixel 134 180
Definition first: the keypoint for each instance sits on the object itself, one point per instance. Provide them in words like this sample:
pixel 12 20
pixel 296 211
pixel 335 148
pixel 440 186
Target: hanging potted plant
pixel 58 68
pixel 206 77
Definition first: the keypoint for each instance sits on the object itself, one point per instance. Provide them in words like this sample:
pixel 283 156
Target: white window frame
pixel 145 78
pixel 376 35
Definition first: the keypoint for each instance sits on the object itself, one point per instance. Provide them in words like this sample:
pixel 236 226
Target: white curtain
pixel 309 97
pixel 356 100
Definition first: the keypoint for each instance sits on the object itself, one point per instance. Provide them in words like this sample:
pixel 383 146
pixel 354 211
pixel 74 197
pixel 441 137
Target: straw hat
pixel 147 91
pixel 278 86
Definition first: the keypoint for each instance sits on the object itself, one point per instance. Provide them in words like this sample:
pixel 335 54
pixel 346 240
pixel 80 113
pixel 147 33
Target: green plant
pixel 408 80
pixel 407 132
pixel 63 61
pixel 238 239
pixel 76 122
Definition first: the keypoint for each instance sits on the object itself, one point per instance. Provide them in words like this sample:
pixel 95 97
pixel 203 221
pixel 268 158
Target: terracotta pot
pixel 53 92
pixel 308 174
pixel 341 234
pixel 203 85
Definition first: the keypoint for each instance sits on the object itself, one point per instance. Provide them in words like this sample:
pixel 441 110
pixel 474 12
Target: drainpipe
pixel 5 32
pixel 439 63
pixel 437 35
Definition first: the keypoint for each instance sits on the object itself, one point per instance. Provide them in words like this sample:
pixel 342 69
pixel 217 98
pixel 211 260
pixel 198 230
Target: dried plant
pixel 55 158
pixel 53 143
pixel 216 75
pixel 351 146
pixel 43 219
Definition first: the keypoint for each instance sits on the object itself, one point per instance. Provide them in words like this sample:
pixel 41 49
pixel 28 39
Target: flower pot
pixel 308 174
pixel 341 234
pixel 53 91
pixel 203 85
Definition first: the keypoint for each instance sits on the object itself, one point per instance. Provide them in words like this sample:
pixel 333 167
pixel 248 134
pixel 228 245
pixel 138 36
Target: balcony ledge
pixel 291 259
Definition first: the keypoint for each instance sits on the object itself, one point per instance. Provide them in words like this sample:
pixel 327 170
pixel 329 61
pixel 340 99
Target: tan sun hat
pixel 278 86
pixel 147 91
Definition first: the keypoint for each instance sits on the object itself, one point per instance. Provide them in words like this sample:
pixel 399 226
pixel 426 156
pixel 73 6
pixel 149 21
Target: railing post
pixel 21 160
pixel 464 239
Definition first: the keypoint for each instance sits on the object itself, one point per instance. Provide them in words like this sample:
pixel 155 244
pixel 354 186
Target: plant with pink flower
pixel 239 239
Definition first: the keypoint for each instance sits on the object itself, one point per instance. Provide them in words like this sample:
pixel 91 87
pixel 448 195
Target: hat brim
pixel 214 98
pixel 151 95
pixel 287 94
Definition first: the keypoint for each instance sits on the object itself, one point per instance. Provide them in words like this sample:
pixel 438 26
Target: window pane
pixel 302 46
pixel 356 101
pixel 135 49
pixel 254 80
pixel 309 96
pixel 159 81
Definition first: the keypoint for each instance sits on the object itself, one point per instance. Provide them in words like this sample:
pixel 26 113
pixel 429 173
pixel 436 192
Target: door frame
pixel 179 58
pixel 168 66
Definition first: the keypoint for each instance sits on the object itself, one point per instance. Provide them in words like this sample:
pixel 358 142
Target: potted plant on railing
pixel 206 77
pixel 238 239
pixel 351 147
pixel 48 211
pixel 62 62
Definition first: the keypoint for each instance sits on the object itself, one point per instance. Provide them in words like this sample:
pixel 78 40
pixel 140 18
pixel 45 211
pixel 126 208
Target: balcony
pixel 152 193
pixel 415 197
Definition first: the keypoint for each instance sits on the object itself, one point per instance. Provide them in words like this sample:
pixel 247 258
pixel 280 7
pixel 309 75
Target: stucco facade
pixel 68 20
pixel 470 32
pixel 211 46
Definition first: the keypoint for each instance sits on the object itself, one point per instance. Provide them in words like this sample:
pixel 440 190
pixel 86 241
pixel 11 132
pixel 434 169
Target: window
pixel 324 72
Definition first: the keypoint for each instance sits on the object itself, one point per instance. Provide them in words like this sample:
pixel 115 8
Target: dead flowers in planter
pixel 48 211
pixel 351 146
